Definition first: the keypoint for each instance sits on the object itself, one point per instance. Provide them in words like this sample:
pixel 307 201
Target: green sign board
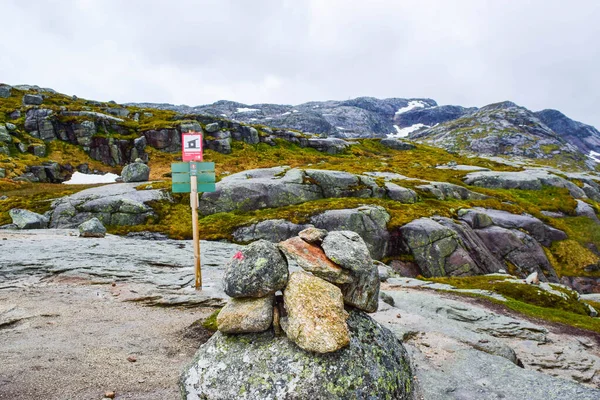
pixel 186 187
pixel 182 174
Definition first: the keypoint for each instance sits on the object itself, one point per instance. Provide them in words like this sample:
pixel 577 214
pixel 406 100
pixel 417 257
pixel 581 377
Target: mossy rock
pixel 263 366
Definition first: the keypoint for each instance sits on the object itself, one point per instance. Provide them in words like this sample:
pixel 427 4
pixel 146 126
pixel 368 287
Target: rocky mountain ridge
pixel 513 130
pixel 117 134
pixel 359 117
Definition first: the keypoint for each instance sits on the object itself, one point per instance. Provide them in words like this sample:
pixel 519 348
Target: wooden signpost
pixel 191 177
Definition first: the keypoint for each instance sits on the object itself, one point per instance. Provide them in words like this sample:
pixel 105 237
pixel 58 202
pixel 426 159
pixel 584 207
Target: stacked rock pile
pixel 307 305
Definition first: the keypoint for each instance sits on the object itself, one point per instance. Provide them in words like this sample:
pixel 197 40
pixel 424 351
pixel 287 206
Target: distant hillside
pixel 504 129
pixel 116 134
pixel 360 117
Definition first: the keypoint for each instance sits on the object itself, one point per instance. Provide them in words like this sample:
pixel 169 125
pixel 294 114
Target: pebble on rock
pixel 313 235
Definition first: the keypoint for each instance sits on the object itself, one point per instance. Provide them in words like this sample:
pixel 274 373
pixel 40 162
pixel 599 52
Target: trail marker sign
pixel 188 177
pixel 191 146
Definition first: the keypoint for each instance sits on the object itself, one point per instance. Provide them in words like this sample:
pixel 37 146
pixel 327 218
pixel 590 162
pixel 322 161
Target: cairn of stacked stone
pixel 307 305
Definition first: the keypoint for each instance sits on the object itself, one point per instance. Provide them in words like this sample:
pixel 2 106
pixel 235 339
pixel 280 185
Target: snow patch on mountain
pixel 594 156
pixel 404 132
pixel 411 106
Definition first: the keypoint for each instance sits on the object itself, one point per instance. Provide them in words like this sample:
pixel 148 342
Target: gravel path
pixel 73 310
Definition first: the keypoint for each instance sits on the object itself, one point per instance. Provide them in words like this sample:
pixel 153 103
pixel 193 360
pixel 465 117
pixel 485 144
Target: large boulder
pixel 219 145
pixel 51 172
pixel 479 218
pixel 4 135
pixel 257 270
pixel 262 366
pixel 25 219
pixel 369 222
pixel 168 140
pixel 135 172
pixel 437 249
pixel 583 209
pixel 282 186
pixel 483 258
pixel 341 184
pixel 115 204
pixel 32 100
pixel 526 180
pixel 397 144
pixel 246 315
pixel 316 319
pixel 5 91
pixel 256 189
pixel 92 228
pixel 39 123
pixel 328 145
pixel 448 191
pixel 518 248
pixel 273 230
pixel 401 194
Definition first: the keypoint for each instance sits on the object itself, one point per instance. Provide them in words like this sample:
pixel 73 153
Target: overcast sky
pixel 539 54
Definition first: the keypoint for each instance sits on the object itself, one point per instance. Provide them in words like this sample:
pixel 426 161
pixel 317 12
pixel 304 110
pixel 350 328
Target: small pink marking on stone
pixel 238 256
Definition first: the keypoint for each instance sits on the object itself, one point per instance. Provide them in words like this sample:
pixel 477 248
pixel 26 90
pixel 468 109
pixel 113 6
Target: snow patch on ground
pixel 87 179
pixel 341 128
pixel 594 156
pixel 412 105
pixel 404 132
pixel 244 109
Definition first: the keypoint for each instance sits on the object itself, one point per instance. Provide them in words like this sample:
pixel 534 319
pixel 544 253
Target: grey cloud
pixel 540 54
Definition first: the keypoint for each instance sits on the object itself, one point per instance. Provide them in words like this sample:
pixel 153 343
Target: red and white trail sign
pixel 191 146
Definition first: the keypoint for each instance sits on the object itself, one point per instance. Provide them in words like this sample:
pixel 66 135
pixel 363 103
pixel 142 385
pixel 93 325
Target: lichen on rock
pixel 316 318
pixel 246 315
pixel 256 271
pixel 263 366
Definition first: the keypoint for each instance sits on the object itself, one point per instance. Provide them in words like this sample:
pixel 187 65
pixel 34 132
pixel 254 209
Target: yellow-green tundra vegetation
pixel 568 257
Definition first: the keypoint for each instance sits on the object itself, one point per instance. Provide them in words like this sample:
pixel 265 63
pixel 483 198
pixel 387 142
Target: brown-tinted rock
pixel 313 235
pixel 312 258
pixel 316 318
pixel 246 315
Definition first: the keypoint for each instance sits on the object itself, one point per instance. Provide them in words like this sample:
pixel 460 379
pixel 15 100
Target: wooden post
pixel 195 229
